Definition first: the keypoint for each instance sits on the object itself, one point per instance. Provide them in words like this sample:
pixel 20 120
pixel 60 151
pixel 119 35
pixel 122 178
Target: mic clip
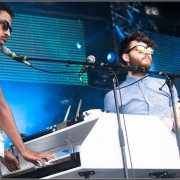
pixel 18 58
pixel 22 59
pixel 162 86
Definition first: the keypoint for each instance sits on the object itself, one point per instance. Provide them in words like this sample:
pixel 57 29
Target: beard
pixel 144 62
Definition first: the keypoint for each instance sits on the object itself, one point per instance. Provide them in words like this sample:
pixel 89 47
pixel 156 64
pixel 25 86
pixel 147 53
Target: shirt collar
pixel 145 81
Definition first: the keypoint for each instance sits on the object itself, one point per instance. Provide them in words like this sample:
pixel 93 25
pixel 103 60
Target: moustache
pixel 4 37
pixel 147 57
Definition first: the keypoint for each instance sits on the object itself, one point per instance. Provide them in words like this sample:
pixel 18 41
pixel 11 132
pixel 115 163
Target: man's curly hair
pixel 135 36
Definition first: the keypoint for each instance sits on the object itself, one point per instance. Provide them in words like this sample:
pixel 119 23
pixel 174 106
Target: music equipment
pixel 54 166
pixel 151 149
pixel 60 125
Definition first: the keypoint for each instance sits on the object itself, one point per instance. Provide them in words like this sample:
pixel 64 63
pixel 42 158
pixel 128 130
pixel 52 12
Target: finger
pixel 17 164
pixel 14 168
pixel 36 163
pixel 41 162
pixel 47 156
pixel 11 168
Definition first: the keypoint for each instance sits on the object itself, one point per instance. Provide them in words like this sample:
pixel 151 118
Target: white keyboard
pixel 57 160
pixel 33 167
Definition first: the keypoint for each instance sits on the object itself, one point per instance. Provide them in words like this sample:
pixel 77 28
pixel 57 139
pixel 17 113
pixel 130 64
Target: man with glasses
pixel 7 123
pixel 140 94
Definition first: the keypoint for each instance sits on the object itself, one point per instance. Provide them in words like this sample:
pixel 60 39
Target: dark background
pixel 168 22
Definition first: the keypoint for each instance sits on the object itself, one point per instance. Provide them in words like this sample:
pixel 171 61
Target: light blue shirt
pixel 142 98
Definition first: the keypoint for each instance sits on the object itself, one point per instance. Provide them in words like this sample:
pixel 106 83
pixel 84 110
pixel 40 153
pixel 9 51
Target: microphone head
pixel 6 51
pixel 91 59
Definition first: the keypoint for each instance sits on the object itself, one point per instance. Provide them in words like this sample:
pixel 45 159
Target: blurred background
pixel 71 31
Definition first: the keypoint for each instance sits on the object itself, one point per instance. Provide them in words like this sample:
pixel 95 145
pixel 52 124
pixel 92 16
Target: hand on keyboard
pixel 10 161
pixel 54 161
pixel 35 157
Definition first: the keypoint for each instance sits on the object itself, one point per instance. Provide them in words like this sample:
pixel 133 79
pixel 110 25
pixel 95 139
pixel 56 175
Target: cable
pixel 125 125
pixel 107 89
pixel 104 89
pixel 67 72
pixel 133 82
pixel 55 72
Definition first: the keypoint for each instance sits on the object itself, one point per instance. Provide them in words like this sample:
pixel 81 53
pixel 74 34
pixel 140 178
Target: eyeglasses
pixel 6 25
pixel 142 49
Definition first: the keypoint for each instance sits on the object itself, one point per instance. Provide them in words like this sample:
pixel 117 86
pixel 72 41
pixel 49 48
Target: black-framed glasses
pixel 142 49
pixel 6 25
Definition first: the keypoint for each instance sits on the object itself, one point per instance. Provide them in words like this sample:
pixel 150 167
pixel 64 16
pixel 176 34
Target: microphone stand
pixel 116 67
pixel 170 86
pixel 169 83
pixel 120 131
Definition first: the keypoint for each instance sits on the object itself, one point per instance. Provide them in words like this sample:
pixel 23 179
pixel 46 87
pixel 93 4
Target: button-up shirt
pixel 142 98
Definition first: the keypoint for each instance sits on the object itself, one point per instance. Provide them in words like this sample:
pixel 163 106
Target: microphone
pixel 90 59
pixel 14 56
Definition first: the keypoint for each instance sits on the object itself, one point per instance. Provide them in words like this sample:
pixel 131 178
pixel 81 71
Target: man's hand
pixel 35 157
pixel 168 122
pixel 10 161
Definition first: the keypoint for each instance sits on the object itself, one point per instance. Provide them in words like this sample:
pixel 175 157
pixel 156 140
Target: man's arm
pixel 8 125
pixel 169 121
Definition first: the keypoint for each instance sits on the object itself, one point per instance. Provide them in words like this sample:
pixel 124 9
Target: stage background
pixel 66 31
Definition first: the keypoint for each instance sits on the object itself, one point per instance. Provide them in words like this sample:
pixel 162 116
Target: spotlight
pixel 78 45
pixel 155 11
pixel 147 10
pixel 111 57
pixel 151 10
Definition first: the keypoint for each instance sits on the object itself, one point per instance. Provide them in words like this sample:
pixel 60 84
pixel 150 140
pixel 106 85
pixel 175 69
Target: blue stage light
pixel 111 57
pixel 78 45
